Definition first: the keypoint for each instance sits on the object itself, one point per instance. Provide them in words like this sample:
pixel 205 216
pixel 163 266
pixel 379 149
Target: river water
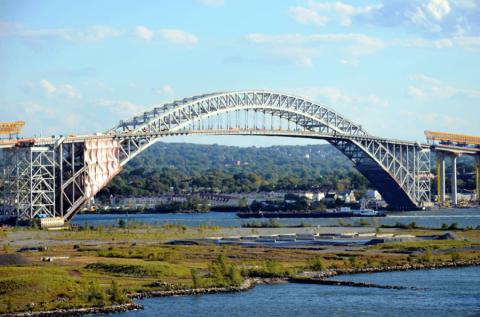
pixel 445 292
pixel 463 217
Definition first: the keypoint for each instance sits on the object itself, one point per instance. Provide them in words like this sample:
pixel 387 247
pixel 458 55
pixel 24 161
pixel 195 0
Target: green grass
pixel 426 244
pixel 42 288
pixel 140 270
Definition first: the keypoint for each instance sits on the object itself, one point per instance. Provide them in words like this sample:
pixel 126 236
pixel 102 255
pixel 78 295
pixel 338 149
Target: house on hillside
pixel 348 196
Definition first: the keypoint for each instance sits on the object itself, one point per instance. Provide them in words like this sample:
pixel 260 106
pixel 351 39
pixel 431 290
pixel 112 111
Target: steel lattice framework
pixel 398 169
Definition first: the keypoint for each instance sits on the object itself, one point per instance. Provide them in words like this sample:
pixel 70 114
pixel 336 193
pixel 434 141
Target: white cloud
pixel 120 106
pixel 302 49
pixel 464 42
pixel 466 4
pixel 437 120
pixel 337 97
pixel 69 91
pixel 144 33
pixel 307 16
pixel 438 8
pixel 167 89
pixel 61 90
pixel 179 37
pixel 320 12
pixel 415 92
pixel 364 43
pixel 164 90
pixel 429 88
pixel 30 107
pixel 90 34
pixel 47 86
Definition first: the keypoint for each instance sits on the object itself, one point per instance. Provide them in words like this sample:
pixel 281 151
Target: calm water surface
pixel 463 217
pixel 448 292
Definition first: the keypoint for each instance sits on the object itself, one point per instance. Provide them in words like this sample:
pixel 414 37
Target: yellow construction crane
pixel 452 138
pixel 11 127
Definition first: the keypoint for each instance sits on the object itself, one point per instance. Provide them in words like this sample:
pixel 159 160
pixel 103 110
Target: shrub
pixel 455 256
pixel 196 279
pixel 316 264
pixel 117 295
pixel 363 223
pixel 453 226
pixel 427 256
pixel 412 225
pixel 95 293
pixel 122 224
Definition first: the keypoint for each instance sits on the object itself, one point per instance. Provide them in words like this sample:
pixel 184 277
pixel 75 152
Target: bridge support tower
pixel 29 176
pixel 454 196
pixel 441 178
pixel 477 176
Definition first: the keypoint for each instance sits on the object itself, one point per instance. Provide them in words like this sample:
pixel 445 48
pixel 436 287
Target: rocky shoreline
pixel 312 277
pixel 78 311
pixel 394 268
pixel 245 286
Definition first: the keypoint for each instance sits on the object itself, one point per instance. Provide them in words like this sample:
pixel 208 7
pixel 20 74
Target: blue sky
pixel 397 67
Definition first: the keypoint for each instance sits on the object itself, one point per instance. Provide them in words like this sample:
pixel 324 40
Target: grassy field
pixel 105 264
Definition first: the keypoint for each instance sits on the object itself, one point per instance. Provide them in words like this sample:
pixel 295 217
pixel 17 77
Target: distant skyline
pixel 396 67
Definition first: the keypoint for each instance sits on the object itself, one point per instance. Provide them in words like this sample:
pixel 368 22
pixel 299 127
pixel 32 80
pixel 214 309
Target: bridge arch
pixel 393 167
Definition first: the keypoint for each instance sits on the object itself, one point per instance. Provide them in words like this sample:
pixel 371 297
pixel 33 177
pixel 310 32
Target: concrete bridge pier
pixel 477 176
pixel 454 198
pixel 441 178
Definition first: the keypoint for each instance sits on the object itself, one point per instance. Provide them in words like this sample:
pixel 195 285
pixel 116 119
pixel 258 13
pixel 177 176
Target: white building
pixel 373 194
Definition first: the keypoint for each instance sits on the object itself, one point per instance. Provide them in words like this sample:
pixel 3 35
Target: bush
pixel 362 222
pixel 453 226
pixel 95 293
pixel 455 256
pixel 117 295
pixel 412 225
pixel 122 224
pixel 316 264
pixel 196 279
pixel 223 273
pixel 427 256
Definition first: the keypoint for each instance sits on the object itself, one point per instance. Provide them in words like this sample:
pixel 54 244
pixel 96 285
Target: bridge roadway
pixel 450 149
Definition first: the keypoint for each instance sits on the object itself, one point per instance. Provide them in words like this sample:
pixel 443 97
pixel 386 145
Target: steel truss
pixel 404 165
pixel 400 170
pixel 30 182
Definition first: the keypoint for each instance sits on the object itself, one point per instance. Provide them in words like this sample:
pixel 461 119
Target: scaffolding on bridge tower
pixel 29 182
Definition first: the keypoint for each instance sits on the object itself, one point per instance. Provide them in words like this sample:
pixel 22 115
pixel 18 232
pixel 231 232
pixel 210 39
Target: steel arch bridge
pixel 58 176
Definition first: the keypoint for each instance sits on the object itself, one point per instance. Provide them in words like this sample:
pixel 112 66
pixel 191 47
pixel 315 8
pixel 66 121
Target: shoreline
pixel 250 283
pixel 78 311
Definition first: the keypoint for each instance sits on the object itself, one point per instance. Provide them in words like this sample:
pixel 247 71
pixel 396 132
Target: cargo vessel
pixel 343 212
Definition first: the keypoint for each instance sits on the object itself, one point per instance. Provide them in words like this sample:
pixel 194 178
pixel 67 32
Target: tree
pixel 95 293
pixel 196 279
pixel 117 295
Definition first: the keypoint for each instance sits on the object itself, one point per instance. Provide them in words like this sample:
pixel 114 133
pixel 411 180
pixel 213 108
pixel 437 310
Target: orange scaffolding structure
pixel 452 137
pixel 11 127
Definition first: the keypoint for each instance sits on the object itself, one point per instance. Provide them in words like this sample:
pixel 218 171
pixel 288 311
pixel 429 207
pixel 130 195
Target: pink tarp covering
pixel 102 161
